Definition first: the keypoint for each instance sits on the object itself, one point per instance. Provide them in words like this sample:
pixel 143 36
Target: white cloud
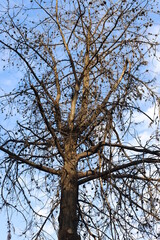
pixel 146 129
pixel 154 62
pixel 151 113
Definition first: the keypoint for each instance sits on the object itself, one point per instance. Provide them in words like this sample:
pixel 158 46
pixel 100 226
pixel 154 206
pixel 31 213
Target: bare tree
pixel 74 150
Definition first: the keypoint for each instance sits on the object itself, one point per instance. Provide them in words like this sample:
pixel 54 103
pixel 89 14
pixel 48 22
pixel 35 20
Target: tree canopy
pixel 73 163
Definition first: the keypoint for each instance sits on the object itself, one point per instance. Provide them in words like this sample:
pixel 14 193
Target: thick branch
pixel 100 108
pixel 47 123
pixel 95 149
pixel 91 175
pixel 85 96
pixel 127 176
pixel 77 86
pixel 30 163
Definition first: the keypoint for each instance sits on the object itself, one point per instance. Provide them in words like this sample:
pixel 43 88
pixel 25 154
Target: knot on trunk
pixel 69 235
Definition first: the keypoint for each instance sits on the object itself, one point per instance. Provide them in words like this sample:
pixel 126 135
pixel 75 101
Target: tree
pixel 74 150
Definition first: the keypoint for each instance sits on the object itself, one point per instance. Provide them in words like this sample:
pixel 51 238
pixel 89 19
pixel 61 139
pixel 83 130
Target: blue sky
pixel 9 79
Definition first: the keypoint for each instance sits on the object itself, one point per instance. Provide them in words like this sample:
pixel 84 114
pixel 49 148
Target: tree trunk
pixel 68 218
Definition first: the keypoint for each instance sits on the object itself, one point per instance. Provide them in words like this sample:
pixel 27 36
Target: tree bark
pixel 68 218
